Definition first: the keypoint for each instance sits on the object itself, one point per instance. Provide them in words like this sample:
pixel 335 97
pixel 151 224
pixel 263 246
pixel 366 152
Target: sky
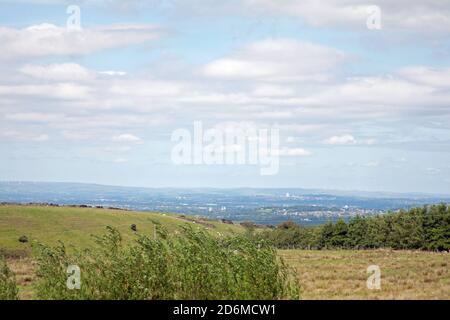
pixel 358 92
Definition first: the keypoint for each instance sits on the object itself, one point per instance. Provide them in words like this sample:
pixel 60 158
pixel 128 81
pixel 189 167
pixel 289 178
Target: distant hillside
pixel 74 226
pixel 267 206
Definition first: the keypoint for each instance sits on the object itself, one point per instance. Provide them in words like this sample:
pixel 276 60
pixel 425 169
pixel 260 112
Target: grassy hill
pixel 74 226
pixel 322 274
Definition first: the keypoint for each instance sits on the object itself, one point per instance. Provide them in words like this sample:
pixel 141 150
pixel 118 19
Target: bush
pixel 8 287
pixel 426 228
pixel 190 265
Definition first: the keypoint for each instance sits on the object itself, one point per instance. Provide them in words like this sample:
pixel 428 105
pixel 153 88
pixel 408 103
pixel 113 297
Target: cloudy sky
pixel 356 107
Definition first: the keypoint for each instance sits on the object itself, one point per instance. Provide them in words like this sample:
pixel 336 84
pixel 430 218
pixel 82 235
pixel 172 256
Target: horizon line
pixel 417 193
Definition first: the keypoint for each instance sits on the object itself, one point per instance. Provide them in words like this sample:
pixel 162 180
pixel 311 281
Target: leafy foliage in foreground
pixel 8 288
pixel 191 265
pixel 426 228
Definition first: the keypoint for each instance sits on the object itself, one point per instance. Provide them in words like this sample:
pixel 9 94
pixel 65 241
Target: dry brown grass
pixel 339 274
pixel 24 269
pixel 342 274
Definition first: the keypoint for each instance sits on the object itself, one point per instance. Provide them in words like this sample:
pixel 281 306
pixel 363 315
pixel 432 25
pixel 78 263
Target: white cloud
pixel 290 139
pixel 144 88
pixel 348 139
pixel 113 73
pixel 302 88
pixel 293 152
pixel 276 60
pixel 59 72
pixel 41 138
pixel 408 15
pixel 372 164
pixel 34 117
pixel 56 91
pixel 48 39
pixel 328 12
pixel 71 135
pixel 266 90
pixel 341 140
pixel 120 160
pixel 434 77
pixel 432 171
pixel 400 160
pixel 24 136
pixel 127 137
pixel 382 97
pixel 117 149
pixel 228 148
pixel 308 111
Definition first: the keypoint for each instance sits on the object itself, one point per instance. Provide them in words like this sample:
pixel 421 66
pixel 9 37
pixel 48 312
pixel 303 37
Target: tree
pixel 326 235
pixel 357 233
pixel 436 224
pixel 340 234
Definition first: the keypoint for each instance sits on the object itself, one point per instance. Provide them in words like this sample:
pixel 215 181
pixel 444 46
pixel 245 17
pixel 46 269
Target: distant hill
pixel 269 206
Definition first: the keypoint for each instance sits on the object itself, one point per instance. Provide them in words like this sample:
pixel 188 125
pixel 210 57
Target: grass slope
pixel 327 274
pixel 74 226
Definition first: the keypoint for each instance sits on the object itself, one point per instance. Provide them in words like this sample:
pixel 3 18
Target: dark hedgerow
pixel 8 287
pixel 426 228
pixel 190 265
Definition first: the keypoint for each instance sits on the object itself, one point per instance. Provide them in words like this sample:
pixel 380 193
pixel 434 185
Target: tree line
pixel 426 228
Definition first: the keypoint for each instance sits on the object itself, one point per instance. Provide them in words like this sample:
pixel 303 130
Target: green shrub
pixel 190 265
pixel 426 228
pixel 8 287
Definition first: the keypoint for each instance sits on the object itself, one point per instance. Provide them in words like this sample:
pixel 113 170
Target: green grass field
pixel 74 226
pixel 336 274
